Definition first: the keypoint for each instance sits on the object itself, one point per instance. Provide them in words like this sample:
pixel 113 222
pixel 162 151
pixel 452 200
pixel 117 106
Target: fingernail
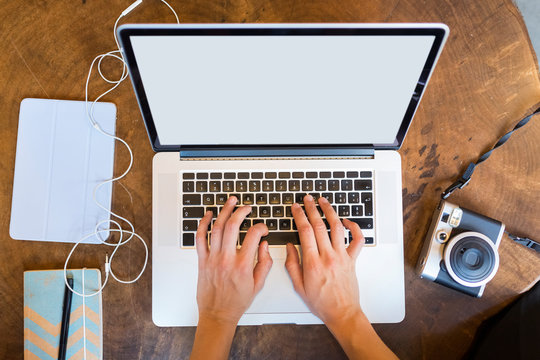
pixel 295 205
pixel 308 198
pixel 323 199
pixel 232 199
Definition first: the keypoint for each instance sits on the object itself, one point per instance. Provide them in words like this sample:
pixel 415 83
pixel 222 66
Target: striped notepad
pixel 43 299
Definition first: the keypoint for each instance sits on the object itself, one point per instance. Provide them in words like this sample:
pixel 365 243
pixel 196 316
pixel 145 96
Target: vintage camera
pixel 460 250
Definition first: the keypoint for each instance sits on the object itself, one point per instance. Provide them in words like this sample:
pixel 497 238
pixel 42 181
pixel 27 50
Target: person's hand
pixel 326 280
pixel 228 280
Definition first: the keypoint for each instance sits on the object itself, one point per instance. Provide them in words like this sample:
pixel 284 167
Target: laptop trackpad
pixel 277 295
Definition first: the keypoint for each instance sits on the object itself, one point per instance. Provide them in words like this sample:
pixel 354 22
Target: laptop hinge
pixel 276 153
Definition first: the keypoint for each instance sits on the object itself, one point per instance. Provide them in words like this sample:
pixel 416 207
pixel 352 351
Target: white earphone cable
pixel 98 232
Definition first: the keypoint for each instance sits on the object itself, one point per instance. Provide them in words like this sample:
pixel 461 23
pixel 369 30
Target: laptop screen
pixel 279 90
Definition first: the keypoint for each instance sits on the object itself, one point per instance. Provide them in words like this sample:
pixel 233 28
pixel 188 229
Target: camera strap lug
pixel 531 244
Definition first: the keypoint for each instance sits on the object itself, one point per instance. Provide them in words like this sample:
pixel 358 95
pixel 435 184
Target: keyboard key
pixel 367 200
pixel 257 221
pixel 333 185
pixel 208 199
pixel 238 198
pixel 201 186
pixel 215 175
pixel 215 186
pixel 284 175
pixel 193 212
pixel 294 185
pixel 284 224
pixel 191 199
pixel 365 174
pixel 202 176
pixel 188 239
pixel 214 211
pixel 229 175
pixel 311 175
pixel 261 199
pixel 241 186
pixel 298 175
pixel 307 185
pixel 221 199
pixel 254 186
pixel 268 185
pixel 341 198
pixel 353 197
pixel 278 211
pixel 339 174
pixel 369 240
pixel 362 185
pixel 320 185
pixel 256 175
pixel 281 185
pixel 264 211
pixel 245 225
pixel 288 211
pixel 287 198
pixel 325 174
pixel 364 223
pixel 247 199
pixel 328 196
pixel 243 175
pixel 188 186
pixel 352 174
pixel 228 186
pixel 188 176
pixel 346 185
pixel 299 198
pixel 357 210
pixel 277 238
pixel 274 198
pixel 271 224
pixel 344 210
pixel 270 175
pixel 316 196
pixel 253 213
pixel 189 225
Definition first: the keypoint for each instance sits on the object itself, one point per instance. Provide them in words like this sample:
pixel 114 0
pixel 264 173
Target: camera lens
pixel 471 259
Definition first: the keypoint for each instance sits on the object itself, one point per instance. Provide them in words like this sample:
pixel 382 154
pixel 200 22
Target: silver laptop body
pixel 269 113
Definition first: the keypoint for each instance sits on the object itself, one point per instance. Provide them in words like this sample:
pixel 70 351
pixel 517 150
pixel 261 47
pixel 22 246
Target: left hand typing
pixel 228 280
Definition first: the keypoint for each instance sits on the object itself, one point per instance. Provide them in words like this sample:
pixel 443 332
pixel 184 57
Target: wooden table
pixel 486 79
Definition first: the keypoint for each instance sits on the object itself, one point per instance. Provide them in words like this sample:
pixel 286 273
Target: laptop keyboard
pixel 271 195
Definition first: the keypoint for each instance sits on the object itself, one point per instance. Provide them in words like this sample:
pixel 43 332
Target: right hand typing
pixel 326 279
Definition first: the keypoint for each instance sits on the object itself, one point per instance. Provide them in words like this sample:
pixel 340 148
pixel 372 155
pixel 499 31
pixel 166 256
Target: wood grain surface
pixel 486 79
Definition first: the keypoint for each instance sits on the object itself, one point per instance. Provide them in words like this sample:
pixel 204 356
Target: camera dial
pixel 471 259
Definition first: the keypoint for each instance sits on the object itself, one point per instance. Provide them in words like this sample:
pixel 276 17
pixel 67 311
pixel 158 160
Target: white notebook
pixel 60 159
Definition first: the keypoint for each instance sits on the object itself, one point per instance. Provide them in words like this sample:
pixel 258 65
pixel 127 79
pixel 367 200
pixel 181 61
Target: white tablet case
pixel 60 159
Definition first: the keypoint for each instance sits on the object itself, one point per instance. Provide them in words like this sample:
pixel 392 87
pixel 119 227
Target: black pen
pixel 66 312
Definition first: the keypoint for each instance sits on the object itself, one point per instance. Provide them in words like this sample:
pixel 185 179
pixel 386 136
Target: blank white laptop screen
pixel 217 90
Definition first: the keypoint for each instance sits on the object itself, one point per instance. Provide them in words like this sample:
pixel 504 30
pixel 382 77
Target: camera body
pixel 460 249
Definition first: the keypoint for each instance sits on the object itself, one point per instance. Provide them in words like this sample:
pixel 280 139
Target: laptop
pixel 268 113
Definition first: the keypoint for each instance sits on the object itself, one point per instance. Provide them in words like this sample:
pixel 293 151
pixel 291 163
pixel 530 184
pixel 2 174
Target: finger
pixel 336 227
pixel 319 228
pixel 358 240
pixel 232 229
pixel 252 240
pixel 261 270
pixel 292 264
pixel 305 232
pixel 201 242
pixel 219 225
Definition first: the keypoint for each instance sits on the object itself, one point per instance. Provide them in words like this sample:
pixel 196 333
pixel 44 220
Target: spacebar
pixel 277 238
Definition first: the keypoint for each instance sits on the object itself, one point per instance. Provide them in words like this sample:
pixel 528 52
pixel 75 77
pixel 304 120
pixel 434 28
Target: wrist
pixel 215 321
pixel 347 316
